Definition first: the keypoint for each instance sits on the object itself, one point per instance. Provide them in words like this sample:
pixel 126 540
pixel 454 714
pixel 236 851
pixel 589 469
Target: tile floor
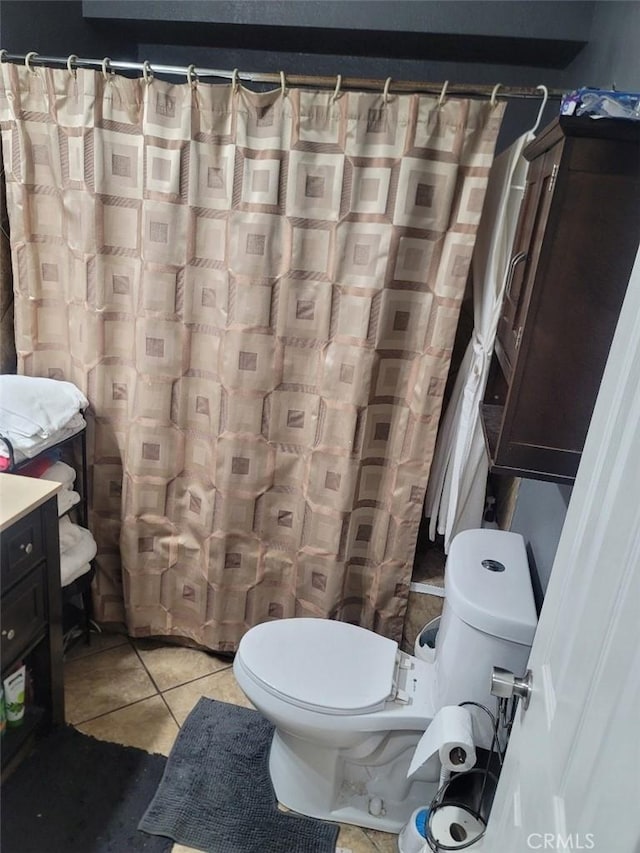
pixel 139 692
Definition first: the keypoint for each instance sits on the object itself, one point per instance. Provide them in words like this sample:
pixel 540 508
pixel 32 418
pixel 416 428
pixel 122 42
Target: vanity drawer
pixel 23 616
pixel 22 548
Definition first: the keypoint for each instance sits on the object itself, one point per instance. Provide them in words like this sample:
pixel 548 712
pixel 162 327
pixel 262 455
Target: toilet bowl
pixel 349 707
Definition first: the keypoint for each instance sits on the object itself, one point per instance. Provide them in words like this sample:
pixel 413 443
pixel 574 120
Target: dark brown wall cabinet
pixel 576 241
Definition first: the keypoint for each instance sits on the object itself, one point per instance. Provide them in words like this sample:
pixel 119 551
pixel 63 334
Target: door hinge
pixel 554 173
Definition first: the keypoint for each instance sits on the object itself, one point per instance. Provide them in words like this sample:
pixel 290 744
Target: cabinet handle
pixel 518 335
pixel 515 260
pixel 28 548
pixel 10 634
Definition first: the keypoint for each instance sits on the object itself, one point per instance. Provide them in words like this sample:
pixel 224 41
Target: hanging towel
pixel 457 484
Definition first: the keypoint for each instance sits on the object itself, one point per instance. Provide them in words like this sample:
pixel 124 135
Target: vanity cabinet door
pixel 534 215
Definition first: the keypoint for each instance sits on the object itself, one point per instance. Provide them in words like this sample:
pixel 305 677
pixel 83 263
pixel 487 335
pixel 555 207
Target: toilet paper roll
pixel 450 734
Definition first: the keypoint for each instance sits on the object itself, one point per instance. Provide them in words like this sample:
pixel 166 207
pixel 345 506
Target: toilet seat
pixel 321 665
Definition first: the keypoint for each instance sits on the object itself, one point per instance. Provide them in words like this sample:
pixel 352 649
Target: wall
pixel 539 516
pixel 613 53
pixel 56 28
pixel 463 41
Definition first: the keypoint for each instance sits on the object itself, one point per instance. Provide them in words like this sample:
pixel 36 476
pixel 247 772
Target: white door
pixel 571 778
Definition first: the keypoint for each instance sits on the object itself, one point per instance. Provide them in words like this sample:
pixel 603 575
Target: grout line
pixel 182 683
pixel 144 666
pixel 173 716
pixel 197 678
pixel 106 713
pixel 93 652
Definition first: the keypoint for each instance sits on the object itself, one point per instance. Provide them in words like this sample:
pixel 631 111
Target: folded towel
pixel 27 448
pixel 67 499
pixel 69 572
pixel 60 473
pixel 33 406
pixel 77 548
pixel 72 534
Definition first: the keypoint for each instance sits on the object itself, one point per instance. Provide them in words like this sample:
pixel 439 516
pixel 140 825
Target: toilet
pixel 349 707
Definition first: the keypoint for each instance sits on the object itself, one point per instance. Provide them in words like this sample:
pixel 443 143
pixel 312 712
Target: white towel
pixel 33 406
pixel 77 549
pixel 27 448
pixel 67 499
pixel 60 472
pixel 72 534
pixel 71 571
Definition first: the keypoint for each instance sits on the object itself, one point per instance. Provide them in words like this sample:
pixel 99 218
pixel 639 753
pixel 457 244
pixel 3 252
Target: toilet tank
pixel 489 616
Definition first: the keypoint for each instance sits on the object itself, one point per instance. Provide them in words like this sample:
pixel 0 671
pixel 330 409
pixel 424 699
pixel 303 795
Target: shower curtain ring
pixel 385 91
pixel 71 60
pixel 336 93
pixel 147 73
pixel 494 101
pixel 27 61
pixel 283 84
pixel 192 77
pixel 235 85
pixel 443 93
pixel 106 68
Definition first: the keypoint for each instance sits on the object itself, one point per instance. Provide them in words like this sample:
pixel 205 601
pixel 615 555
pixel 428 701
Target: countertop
pixel 20 495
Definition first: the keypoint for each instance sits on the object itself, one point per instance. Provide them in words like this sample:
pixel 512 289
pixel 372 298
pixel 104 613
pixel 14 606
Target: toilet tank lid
pixel 320 664
pixel 488 585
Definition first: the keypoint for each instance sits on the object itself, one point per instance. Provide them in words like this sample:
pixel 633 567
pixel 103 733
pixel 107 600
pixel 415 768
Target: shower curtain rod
pixel 323 82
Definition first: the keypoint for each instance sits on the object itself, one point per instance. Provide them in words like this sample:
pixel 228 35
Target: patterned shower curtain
pixel 258 293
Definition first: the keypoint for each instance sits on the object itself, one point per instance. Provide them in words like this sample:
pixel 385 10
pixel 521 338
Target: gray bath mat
pixel 216 793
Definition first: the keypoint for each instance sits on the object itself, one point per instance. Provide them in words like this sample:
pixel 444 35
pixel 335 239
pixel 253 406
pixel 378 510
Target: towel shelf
pixel 82 585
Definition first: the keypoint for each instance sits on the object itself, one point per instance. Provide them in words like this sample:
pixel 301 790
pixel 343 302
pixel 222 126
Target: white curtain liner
pixel 457 485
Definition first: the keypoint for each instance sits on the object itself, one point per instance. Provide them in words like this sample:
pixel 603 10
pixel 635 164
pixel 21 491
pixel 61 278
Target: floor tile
pixel 103 682
pixel 170 666
pixel 99 643
pixel 355 839
pixel 221 685
pixel 384 842
pixel 429 566
pixel 146 725
pixel 180 848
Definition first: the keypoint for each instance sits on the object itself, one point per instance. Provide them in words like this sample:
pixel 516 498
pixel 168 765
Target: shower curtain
pixel 258 294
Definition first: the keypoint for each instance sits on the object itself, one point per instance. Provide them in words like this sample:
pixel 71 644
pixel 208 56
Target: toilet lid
pixel 321 665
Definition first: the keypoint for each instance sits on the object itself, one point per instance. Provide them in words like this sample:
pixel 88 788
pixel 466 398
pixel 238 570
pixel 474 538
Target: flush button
pixel 493 565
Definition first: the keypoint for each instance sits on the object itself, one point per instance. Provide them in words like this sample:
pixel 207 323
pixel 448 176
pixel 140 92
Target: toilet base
pixel 320 782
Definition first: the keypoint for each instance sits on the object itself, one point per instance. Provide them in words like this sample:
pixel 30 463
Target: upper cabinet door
pixel 521 273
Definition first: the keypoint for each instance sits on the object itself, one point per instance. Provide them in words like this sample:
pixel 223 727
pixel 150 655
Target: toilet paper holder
pixel 457 818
